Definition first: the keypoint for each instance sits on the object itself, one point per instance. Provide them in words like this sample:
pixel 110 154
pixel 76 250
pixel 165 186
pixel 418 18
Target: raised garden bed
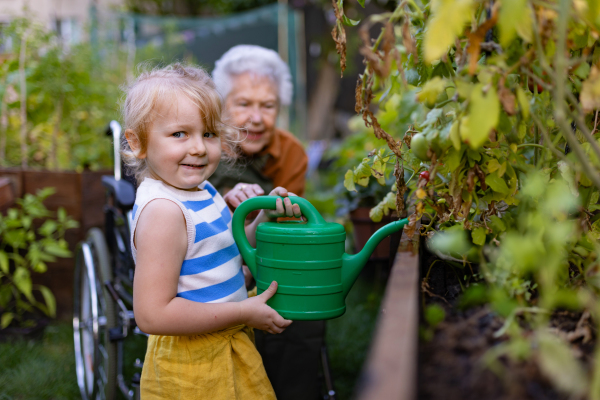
pixel 460 357
pixel 389 372
pixel 463 357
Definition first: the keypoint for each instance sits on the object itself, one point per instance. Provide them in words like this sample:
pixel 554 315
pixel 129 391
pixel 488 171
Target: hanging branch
pixel 23 84
pixel 339 35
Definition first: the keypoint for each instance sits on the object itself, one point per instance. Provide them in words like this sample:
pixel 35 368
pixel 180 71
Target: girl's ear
pixel 134 144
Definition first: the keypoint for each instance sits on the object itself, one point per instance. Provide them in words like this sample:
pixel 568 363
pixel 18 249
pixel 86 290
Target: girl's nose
pixel 198 147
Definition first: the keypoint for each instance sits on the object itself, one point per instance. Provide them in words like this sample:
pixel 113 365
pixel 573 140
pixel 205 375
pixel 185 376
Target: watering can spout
pixel 353 264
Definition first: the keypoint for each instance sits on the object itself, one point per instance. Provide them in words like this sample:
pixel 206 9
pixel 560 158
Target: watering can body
pixel 306 259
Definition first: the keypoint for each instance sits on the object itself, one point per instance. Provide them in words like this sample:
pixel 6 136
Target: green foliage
pixel 494 110
pixel 71 95
pixel 50 360
pixel 26 246
pixel 186 8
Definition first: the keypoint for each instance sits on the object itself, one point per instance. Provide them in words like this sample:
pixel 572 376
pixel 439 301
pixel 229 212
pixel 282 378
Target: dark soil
pixel 451 356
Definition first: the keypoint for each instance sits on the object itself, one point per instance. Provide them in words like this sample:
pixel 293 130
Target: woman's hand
pixel 257 314
pixel 285 208
pixel 240 192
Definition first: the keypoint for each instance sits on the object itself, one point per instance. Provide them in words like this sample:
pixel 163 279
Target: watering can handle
pixel 268 203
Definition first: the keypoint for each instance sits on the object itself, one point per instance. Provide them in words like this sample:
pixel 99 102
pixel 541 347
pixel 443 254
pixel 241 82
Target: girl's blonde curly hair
pixel 164 84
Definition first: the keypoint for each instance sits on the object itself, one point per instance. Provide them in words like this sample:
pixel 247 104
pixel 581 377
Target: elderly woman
pixel 255 83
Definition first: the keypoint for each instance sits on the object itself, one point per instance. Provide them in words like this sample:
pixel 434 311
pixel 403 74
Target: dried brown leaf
pixel 475 39
pixel 411 227
pixel 400 186
pixel 339 35
pixel 508 100
pixel 407 40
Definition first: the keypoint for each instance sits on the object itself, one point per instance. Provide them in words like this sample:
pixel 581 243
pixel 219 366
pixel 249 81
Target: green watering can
pixel 307 259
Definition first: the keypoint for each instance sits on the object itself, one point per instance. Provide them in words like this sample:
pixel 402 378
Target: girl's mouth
pixel 193 165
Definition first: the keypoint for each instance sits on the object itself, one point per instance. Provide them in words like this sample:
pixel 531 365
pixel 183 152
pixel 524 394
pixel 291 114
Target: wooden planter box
pixel 390 369
pixel 82 196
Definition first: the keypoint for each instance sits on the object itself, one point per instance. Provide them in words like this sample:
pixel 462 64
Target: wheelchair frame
pixel 103 301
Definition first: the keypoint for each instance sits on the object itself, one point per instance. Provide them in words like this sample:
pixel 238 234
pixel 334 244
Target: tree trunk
pixel 23 100
pixel 322 103
pixel 59 115
pixel 3 127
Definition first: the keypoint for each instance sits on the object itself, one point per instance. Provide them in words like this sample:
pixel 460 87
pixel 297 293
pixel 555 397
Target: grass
pixel 45 369
pixel 39 369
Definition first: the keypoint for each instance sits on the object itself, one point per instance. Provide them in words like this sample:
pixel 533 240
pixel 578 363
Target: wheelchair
pixel 103 287
pixel 103 298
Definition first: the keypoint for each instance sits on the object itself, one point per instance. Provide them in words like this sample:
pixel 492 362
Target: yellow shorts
pixel 217 365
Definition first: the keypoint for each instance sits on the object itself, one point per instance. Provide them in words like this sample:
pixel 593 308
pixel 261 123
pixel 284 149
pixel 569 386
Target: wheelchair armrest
pixel 123 191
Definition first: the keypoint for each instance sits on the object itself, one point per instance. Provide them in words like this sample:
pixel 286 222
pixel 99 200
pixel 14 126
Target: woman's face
pixel 253 104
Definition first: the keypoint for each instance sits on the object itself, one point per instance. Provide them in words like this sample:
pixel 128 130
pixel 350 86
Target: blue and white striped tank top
pixel 212 269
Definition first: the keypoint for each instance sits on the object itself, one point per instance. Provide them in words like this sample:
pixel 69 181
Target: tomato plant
pixel 495 106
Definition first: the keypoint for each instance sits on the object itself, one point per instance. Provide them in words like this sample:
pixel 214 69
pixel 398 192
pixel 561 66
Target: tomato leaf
pixel 514 18
pixel 450 17
pixel 349 181
pixel 478 236
pixel 497 184
pixel 483 116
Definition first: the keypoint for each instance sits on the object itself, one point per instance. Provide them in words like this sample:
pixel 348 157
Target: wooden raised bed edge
pixel 391 367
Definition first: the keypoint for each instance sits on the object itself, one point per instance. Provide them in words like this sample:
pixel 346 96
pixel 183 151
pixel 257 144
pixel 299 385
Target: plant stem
pixel 531 145
pixel 550 146
pixel 559 93
pixel 3 126
pixel 409 179
pixel 23 83
pixel 575 114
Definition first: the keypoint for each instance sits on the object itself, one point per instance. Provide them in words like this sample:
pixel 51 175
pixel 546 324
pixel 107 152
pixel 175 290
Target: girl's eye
pixel 210 134
pixel 178 134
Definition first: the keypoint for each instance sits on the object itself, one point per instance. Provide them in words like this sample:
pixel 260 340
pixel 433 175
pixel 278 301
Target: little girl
pixel 189 291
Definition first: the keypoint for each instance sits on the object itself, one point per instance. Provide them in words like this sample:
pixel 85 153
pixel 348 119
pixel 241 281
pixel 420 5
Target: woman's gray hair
pixel 257 60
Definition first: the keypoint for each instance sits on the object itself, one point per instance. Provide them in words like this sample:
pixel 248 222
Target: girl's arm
pixel 161 243
pixel 285 209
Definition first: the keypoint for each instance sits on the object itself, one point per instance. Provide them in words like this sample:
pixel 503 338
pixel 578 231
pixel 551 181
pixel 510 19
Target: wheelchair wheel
pixel 94 315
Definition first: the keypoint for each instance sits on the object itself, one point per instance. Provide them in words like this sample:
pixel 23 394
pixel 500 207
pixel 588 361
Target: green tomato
pixel 419 146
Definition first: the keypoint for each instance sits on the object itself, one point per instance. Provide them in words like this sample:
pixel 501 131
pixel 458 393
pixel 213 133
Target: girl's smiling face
pixel 180 152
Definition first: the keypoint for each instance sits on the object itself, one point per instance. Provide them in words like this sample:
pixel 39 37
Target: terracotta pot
pixel 364 228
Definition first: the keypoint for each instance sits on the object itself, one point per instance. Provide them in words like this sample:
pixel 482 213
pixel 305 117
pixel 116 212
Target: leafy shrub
pixel 25 248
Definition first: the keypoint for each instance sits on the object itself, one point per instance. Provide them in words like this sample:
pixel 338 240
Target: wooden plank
pixel 66 184
pixel 16 178
pixel 7 193
pixel 93 198
pixel 390 370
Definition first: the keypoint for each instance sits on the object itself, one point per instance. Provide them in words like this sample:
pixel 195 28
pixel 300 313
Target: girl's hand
pixel 285 209
pixel 240 192
pixel 257 314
